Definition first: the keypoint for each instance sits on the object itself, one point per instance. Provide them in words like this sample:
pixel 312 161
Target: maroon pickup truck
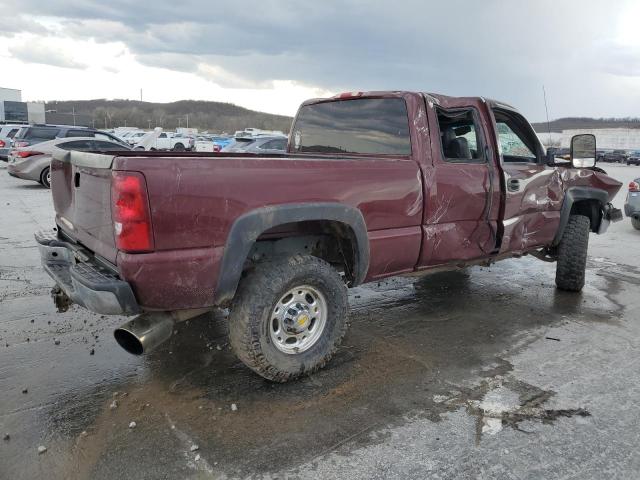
pixel 372 185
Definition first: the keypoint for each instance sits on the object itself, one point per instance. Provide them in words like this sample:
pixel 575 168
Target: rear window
pixel 365 125
pixel 37 133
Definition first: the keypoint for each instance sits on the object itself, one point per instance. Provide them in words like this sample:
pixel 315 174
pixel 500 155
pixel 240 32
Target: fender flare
pixel 573 195
pixel 248 227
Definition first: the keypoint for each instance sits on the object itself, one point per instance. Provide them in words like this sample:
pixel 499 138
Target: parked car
pixel 237 144
pixel 372 185
pixel 632 203
pixel 257 144
pixel 173 141
pixel 555 153
pixel 205 144
pixel 134 137
pixel 261 145
pixel 33 162
pixel 7 132
pixel 634 158
pixel 34 134
pixel 617 156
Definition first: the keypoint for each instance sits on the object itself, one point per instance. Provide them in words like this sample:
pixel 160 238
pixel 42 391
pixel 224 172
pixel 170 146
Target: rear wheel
pixel 572 254
pixel 636 223
pixel 179 147
pixel 288 317
pixel 45 177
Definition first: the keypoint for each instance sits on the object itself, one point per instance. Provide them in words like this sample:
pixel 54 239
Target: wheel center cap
pixel 302 321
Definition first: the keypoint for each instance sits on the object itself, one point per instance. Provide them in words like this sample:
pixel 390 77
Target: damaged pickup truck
pixel 372 185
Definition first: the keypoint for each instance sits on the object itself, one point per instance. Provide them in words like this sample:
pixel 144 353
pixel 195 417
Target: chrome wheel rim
pixel 298 319
pixel 48 177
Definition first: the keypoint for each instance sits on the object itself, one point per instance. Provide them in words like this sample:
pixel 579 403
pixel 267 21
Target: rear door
pixel 462 190
pixel 533 190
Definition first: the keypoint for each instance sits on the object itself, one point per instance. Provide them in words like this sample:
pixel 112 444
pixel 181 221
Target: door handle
pixel 513 185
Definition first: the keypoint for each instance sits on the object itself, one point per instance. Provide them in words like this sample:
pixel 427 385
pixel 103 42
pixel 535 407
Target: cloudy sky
pixel 270 55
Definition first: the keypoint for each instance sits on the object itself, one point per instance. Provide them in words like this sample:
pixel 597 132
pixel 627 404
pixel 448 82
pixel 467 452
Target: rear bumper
pixel 632 207
pixel 83 279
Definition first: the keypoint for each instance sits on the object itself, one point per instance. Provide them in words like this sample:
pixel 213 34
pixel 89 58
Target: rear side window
pixel 109 146
pixel 37 133
pixel 80 133
pixel 365 125
pixel 460 136
pixel 77 145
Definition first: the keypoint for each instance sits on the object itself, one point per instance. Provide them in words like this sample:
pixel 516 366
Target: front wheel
pixel 288 317
pixel 572 254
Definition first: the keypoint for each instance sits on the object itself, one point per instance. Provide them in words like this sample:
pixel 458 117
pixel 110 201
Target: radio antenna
pixel 544 93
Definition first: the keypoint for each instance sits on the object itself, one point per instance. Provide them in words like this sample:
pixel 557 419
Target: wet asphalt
pixel 486 373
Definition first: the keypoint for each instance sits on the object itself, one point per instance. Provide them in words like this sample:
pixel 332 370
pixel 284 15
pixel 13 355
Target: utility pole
pixel 187 120
pixel 140 94
pixel 544 93
pixel 73 112
pixel 149 124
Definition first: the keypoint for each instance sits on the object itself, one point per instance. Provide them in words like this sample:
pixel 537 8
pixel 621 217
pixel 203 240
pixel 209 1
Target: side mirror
pixel 583 151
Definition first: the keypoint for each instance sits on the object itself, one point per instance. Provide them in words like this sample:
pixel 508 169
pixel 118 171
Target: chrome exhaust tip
pixel 145 333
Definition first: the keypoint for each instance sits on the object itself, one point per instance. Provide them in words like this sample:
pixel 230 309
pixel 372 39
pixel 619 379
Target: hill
pixel 569 123
pixel 204 115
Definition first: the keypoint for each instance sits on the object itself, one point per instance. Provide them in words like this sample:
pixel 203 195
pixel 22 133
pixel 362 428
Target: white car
pixel 174 141
pixel 7 132
pixel 134 137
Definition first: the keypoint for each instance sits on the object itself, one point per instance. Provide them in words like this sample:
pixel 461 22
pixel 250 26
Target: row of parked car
pixel 630 157
pixel 248 140
pixel 28 148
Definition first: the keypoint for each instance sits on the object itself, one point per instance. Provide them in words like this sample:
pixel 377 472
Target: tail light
pixel 27 153
pixel 216 148
pixel 130 212
pixel 2 144
pixel 634 187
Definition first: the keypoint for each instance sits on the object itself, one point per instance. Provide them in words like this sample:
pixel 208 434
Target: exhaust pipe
pixel 146 332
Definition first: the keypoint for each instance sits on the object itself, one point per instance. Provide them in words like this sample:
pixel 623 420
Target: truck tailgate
pixel 81 189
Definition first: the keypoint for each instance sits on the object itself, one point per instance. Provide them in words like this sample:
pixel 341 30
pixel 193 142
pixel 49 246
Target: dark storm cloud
pixel 503 49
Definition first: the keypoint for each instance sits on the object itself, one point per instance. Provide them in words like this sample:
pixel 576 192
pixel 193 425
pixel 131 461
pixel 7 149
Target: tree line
pixel 203 115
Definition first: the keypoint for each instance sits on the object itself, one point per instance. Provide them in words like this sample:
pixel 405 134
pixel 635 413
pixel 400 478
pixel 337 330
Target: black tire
pixel 572 254
pixel 178 147
pixel 250 317
pixel 45 178
pixel 635 223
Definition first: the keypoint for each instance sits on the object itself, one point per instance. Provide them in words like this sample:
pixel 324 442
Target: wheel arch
pixel 587 201
pixel 247 228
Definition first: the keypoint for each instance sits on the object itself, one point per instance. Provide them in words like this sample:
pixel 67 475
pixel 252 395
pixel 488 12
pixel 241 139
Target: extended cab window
pixel 459 136
pixel 363 125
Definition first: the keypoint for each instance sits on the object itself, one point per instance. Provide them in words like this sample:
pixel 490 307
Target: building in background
pixel 608 138
pixel 14 110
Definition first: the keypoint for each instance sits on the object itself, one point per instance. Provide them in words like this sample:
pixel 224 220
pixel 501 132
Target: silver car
pixel 258 145
pixel 7 132
pixel 33 162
